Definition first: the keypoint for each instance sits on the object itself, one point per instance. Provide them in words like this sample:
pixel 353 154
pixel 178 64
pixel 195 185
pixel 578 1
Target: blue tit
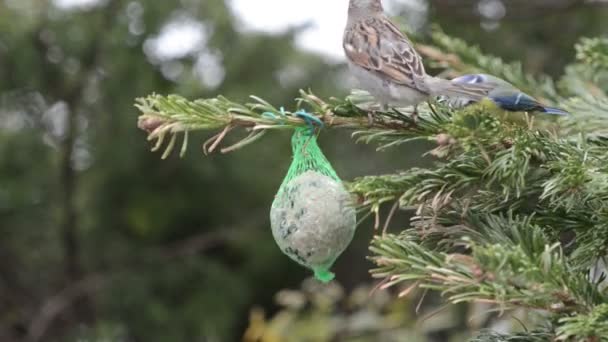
pixel 505 95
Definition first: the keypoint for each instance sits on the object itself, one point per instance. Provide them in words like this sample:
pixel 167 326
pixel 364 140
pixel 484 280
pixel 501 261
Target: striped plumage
pixel 385 63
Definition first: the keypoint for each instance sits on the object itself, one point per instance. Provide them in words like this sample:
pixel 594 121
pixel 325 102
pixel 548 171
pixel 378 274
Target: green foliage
pixel 170 115
pixel 514 215
pixel 328 312
pixel 507 274
pixel 78 185
pixel 531 336
pixel 585 326
pixel 594 52
pixel 102 242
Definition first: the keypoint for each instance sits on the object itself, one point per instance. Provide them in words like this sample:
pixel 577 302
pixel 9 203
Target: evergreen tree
pixel 514 212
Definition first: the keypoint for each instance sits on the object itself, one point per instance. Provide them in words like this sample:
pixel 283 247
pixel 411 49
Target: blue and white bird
pixel 505 95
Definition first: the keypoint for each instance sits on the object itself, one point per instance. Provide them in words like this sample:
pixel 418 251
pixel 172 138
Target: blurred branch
pixel 533 336
pixel 198 243
pixel 68 177
pixel 216 237
pixel 56 305
pixel 71 92
pixel 593 51
pixel 59 303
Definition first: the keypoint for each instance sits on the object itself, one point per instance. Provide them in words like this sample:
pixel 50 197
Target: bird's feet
pixel 415 115
pixel 374 111
pixel 370 118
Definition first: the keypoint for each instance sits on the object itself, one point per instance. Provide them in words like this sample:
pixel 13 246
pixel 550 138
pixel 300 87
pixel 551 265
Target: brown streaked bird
pixel 384 62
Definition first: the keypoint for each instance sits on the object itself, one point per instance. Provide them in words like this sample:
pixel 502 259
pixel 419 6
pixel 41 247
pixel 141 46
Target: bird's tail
pixel 472 91
pixel 554 111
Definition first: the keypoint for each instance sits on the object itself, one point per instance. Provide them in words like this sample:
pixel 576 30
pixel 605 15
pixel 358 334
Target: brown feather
pixel 377 45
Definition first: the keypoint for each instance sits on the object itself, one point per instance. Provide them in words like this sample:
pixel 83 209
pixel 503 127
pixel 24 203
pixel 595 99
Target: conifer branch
pixel 165 117
pixel 502 274
pixel 531 336
pixel 594 52
pixel 589 326
pixel 515 211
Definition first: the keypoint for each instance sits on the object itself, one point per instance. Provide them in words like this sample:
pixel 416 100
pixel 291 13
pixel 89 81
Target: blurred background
pixel 100 240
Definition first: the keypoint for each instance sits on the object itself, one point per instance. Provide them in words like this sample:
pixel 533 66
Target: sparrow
pixel 385 63
pixel 505 95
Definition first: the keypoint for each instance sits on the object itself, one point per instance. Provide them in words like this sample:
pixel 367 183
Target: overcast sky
pixel 327 19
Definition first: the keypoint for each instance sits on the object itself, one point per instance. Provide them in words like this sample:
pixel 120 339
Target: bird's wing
pixel 514 100
pixel 470 79
pixel 483 79
pixel 375 44
pixel 505 95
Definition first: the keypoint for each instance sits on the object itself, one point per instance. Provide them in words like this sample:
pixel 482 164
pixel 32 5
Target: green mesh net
pixel 312 217
pixel 307 156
